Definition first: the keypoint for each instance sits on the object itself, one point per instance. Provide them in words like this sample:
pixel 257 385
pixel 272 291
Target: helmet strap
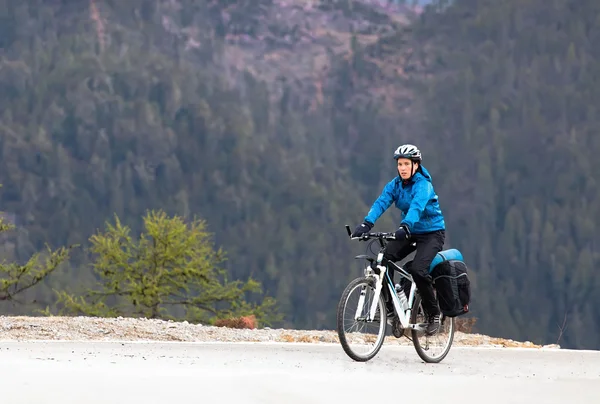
pixel 412 167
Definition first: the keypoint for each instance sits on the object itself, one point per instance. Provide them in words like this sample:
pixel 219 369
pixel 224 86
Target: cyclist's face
pixel 406 168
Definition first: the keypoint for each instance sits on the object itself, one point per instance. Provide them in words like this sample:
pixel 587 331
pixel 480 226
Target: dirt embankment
pixel 136 329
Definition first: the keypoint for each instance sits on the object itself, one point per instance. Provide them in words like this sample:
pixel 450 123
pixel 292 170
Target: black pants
pixel 427 246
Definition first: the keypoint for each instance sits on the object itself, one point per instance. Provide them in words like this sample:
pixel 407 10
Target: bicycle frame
pixel 403 309
pixel 377 276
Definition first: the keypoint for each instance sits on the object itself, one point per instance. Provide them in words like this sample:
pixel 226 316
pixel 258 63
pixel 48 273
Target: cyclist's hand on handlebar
pixel 402 233
pixel 362 228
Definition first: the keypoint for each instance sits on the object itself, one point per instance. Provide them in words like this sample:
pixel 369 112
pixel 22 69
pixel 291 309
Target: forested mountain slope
pixel 514 101
pixel 276 122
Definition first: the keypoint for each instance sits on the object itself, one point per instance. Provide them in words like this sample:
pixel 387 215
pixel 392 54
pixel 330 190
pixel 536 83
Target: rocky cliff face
pixel 297 43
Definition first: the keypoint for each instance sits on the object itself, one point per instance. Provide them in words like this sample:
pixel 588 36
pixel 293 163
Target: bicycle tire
pixel 340 322
pixel 415 337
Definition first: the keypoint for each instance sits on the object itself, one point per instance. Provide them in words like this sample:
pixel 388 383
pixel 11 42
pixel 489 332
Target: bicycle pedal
pixel 418 327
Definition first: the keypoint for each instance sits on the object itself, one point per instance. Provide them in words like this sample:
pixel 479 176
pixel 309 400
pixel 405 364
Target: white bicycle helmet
pixel 408 151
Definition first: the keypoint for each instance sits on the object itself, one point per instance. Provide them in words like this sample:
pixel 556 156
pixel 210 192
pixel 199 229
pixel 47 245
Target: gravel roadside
pixel 140 329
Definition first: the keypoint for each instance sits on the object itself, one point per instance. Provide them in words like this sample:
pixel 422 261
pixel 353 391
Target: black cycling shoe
pixel 432 325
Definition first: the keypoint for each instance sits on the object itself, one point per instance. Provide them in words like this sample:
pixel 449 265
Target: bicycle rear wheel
pixel 434 348
pixel 361 347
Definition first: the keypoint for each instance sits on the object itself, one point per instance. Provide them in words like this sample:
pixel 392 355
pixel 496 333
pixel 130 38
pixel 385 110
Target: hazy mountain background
pixel 275 120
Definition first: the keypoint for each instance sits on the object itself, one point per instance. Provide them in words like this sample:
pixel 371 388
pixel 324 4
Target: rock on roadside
pixel 22 328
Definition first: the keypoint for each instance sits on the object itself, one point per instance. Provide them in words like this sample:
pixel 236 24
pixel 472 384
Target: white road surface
pixel 169 373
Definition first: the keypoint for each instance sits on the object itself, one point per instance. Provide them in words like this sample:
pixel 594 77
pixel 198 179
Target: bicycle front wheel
pixel 361 338
pixel 434 348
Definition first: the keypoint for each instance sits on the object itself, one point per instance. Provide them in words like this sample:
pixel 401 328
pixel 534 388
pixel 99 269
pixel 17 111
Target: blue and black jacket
pixel 416 199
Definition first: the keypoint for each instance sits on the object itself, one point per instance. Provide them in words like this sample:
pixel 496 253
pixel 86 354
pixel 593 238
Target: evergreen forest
pixel 275 122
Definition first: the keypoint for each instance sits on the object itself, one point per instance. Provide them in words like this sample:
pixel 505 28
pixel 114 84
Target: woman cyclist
pixel 422 223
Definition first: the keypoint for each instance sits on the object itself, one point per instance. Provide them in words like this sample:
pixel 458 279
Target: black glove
pixel 402 233
pixel 362 228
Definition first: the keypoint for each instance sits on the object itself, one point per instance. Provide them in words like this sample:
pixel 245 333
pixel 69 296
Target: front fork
pixel 378 286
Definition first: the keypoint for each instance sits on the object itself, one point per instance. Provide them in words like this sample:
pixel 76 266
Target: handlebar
pixel 367 236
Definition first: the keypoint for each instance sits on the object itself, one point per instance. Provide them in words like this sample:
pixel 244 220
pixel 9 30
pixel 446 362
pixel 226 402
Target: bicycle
pixel 407 309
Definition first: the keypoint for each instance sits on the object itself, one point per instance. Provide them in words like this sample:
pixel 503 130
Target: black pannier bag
pixel 453 287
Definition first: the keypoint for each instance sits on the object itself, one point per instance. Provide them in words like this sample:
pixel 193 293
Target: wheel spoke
pixel 360 339
pixel 434 348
